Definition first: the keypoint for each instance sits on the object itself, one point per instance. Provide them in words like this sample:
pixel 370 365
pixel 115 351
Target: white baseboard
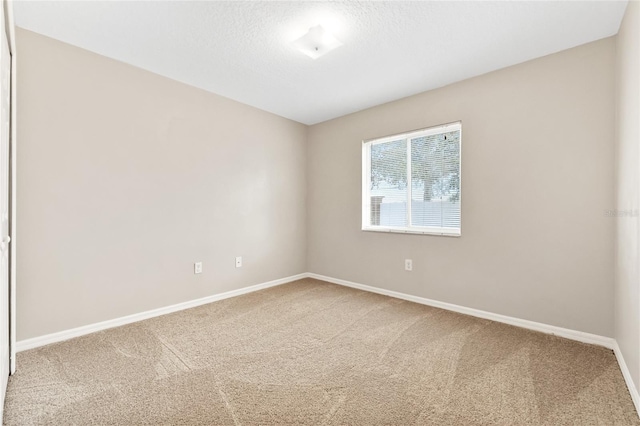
pixel 635 396
pixel 580 336
pixel 47 339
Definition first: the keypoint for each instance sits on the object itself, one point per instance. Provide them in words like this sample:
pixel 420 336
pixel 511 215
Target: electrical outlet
pixel 239 262
pixel 197 268
pixel 408 265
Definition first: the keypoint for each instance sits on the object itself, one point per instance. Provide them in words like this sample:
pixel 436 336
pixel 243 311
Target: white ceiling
pixel 242 49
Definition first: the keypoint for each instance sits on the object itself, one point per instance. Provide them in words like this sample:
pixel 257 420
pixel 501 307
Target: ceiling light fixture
pixel 316 42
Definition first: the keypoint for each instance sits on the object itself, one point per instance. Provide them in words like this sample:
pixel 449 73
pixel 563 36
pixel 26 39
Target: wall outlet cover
pixel 408 265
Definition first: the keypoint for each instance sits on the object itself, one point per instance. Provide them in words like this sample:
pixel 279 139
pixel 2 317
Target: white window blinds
pixel 411 182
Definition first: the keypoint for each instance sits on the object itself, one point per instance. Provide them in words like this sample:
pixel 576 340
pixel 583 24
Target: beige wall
pixel 627 282
pixel 537 177
pixel 125 178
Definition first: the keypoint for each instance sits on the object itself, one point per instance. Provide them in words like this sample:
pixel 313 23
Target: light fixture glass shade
pixel 316 42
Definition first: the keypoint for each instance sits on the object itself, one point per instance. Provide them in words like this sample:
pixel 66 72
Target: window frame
pixel 366 182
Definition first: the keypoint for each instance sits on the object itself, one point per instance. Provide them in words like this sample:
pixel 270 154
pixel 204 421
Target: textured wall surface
pixel 627 282
pixel 537 177
pixel 126 178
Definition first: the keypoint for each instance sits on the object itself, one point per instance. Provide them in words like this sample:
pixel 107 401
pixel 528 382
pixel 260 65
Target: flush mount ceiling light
pixel 316 42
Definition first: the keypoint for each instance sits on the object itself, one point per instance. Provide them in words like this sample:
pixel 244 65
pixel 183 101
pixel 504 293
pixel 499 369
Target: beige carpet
pixel 316 353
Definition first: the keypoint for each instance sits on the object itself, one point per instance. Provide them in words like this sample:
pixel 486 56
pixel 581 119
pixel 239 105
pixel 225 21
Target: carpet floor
pixel 313 353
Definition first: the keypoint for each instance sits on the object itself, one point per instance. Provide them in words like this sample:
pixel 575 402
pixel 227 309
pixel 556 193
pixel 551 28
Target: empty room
pixel 320 213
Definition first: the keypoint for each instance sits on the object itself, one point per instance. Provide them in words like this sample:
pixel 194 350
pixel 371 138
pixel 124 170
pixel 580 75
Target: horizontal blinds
pixel 389 184
pixel 435 176
pixel 419 171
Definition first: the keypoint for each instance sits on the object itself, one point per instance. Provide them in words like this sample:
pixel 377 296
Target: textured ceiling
pixel 242 49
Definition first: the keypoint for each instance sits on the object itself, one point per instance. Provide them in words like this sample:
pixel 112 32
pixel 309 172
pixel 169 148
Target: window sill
pixel 440 233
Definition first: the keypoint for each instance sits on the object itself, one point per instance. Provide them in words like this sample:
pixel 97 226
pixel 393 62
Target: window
pixel 411 182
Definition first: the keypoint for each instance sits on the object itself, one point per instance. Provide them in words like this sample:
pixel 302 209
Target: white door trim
pixel 11 35
pixel 5 212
